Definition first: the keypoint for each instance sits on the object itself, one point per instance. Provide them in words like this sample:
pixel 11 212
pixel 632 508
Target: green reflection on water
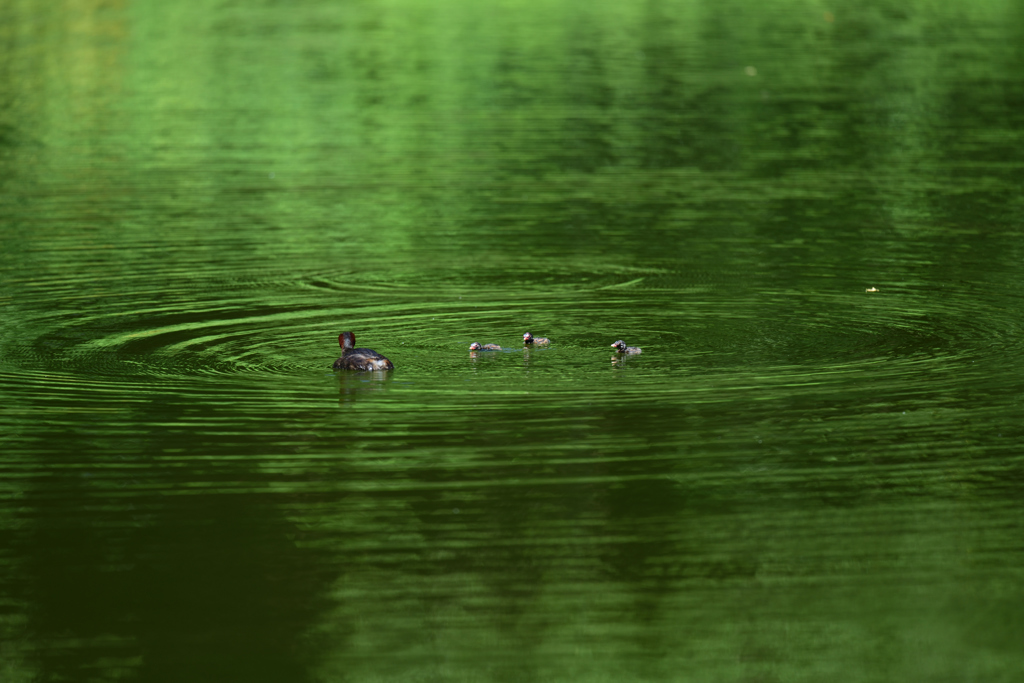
pixel 799 479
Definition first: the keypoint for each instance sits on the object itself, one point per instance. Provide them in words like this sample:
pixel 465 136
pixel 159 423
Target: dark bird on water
pixel 359 359
pixel 484 347
pixel 530 340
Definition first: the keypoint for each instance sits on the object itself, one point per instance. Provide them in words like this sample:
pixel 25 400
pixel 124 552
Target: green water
pixel 798 480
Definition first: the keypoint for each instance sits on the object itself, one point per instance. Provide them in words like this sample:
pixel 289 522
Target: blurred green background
pixel 809 215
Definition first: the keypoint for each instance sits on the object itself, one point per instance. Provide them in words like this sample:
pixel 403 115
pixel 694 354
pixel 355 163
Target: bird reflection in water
pixel 353 385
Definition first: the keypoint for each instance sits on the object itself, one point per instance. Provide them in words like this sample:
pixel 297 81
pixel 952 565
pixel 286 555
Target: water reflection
pixel 816 453
pixel 353 385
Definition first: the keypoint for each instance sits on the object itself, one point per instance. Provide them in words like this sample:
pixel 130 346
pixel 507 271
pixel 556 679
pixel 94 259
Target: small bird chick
pixel 621 347
pixel 530 340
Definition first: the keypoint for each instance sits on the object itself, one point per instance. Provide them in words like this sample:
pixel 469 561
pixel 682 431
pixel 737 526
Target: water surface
pixel 808 217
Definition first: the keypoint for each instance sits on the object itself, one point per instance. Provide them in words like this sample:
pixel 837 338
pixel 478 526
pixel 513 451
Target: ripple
pixel 693 326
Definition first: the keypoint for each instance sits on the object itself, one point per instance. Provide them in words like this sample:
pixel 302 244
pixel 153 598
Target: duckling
pixel 621 347
pixel 530 340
